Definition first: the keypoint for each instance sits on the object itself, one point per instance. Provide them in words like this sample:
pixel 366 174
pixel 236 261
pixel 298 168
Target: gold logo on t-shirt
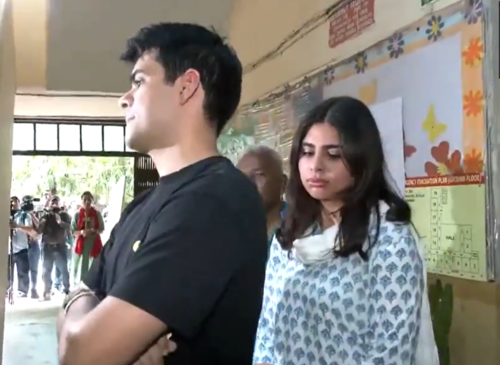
pixel 136 245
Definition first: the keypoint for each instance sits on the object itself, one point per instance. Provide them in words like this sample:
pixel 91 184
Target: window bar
pixel 34 136
pixel 124 143
pixel 81 142
pixel 102 138
pixel 58 136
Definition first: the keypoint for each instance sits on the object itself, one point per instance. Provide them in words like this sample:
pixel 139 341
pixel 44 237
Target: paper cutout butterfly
pixel 430 125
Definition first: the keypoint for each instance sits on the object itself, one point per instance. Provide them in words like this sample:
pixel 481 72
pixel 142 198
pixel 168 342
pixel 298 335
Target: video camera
pixel 27 205
pixel 52 210
pixel 50 214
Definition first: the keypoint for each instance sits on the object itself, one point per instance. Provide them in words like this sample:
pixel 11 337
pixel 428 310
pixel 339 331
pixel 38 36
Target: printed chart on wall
pixel 449 215
pixel 434 70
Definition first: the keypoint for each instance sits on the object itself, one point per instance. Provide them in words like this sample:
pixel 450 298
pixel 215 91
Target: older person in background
pixel 264 167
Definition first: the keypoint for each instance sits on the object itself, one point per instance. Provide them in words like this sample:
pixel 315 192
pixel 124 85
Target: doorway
pixel 71 156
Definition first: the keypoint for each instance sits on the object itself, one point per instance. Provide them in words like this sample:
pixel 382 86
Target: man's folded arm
pixel 172 284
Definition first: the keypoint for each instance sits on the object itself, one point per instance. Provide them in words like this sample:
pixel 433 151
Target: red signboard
pixel 350 20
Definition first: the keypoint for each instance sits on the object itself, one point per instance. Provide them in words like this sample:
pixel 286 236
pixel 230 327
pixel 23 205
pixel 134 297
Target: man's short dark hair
pixel 181 46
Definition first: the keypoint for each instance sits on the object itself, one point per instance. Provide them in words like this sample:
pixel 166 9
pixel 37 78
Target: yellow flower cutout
pixel 442 169
pixel 432 126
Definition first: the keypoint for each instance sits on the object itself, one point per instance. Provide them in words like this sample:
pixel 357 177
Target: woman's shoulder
pixel 276 252
pixel 396 235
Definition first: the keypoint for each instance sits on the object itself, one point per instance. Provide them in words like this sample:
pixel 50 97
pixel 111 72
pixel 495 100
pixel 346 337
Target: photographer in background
pixel 47 197
pixel 58 281
pixel 34 256
pixel 22 228
pixel 54 227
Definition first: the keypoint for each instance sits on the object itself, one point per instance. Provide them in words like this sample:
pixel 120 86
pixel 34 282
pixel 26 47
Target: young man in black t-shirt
pixel 186 263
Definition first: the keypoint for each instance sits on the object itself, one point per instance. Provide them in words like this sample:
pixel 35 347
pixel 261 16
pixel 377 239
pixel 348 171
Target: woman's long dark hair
pixel 362 152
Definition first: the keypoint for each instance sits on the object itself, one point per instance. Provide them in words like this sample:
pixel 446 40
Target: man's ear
pixel 190 82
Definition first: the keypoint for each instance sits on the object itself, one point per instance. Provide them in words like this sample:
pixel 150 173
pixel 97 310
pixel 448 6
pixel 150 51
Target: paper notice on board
pixel 449 214
pixel 389 118
pixel 350 19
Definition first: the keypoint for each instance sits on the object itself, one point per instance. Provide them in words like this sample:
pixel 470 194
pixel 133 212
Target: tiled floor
pixel 30 330
pixel 30 333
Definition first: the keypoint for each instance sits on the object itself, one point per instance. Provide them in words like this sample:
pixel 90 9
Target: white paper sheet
pixel 389 118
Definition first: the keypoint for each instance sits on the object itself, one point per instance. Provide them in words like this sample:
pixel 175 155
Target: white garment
pixel 20 240
pixel 318 248
pixel 427 352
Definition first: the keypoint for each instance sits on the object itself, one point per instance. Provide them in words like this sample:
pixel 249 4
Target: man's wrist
pixel 77 295
pixel 83 304
pixel 72 315
pixel 80 306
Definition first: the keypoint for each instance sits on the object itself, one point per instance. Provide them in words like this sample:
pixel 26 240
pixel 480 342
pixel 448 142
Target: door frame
pixel 145 174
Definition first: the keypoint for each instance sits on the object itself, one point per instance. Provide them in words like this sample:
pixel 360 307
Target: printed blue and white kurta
pixel 344 311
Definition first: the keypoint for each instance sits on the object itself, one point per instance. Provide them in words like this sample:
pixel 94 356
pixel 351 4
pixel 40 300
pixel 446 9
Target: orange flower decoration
pixel 473 54
pixel 473 103
pixel 440 152
pixel 473 162
pixel 431 169
pixel 445 165
pixel 454 163
pixel 409 150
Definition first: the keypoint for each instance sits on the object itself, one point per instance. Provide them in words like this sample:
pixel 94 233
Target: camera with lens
pixel 50 215
pixel 52 211
pixel 27 204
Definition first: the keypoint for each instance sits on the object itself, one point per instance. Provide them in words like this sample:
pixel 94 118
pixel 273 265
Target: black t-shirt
pixel 192 252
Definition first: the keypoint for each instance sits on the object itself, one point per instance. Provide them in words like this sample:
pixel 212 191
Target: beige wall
pixel 64 106
pixel 75 45
pixel 30 34
pixel 257 26
pixel 475 331
pixel 7 90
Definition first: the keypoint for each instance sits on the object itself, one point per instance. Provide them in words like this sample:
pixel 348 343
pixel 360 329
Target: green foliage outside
pixel 233 144
pixel 71 176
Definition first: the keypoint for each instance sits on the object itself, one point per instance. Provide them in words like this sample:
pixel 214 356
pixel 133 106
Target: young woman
pixel 87 227
pixel 344 280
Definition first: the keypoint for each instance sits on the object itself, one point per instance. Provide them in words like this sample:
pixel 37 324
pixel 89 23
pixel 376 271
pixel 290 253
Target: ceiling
pixel 84 38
